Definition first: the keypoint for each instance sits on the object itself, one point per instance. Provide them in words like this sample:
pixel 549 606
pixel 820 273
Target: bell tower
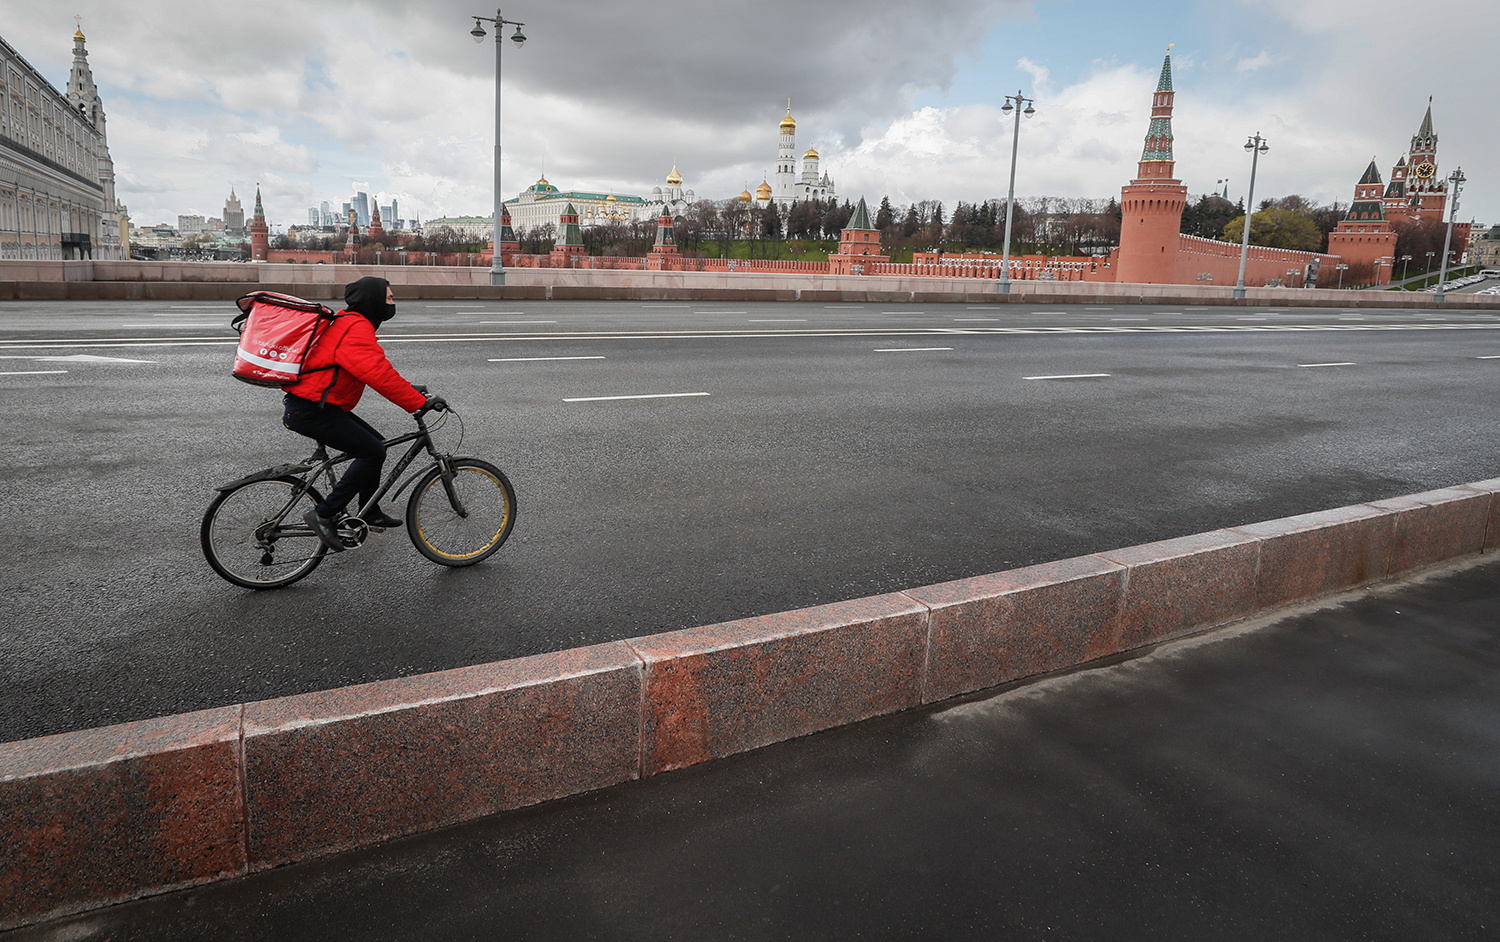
pixel 1151 205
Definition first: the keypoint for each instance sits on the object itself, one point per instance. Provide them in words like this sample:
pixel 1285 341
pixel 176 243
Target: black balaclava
pixel 367 296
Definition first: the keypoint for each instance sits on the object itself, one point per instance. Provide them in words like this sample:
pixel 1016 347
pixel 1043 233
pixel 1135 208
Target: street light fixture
pixel 1341 267
pixel 1255 146
pixel 497 271
pixel 1013 103
pixel 1456 181
pixel 1404 260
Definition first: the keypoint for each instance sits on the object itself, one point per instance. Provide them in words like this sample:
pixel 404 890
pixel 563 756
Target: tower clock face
pixel 1425 170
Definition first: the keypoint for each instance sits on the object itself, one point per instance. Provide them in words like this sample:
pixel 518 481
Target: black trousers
pixel 346 432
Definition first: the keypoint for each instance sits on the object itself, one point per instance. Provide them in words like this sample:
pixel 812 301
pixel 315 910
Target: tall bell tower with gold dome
pixel 788 189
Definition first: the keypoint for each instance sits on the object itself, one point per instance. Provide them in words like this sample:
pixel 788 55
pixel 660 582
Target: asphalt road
pixel 841 450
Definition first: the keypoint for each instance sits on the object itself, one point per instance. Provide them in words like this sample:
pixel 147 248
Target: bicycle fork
pixel 445 469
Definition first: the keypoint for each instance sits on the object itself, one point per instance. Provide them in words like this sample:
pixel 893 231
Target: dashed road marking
pixel 538 359
pixel 1071 376
pixel 1309 366
pixel 646 396
pixel 31 372
pixel 911 349
pixel 518 322
pixel 777 320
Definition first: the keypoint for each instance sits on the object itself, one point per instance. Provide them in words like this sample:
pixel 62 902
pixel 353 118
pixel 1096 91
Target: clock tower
pixel 1418 191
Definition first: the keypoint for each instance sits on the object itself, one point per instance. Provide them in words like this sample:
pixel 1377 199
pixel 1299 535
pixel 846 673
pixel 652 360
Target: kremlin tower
pixel 260 241
pixel 1151 205
pixel 859 244
pixel 1364 237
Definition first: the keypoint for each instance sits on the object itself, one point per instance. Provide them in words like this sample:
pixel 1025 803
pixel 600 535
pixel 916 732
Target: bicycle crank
pixel 353 532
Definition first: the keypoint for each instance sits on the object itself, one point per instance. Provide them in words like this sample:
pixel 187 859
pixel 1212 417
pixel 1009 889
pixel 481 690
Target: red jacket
pixel 349 345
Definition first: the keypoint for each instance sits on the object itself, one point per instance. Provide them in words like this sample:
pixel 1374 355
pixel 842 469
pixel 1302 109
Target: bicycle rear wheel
pixel 449 538
pixel 242 544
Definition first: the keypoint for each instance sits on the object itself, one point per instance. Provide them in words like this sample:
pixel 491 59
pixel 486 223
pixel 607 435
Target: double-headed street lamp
pixel 1341 267
pixel 1404 260
pixel 497 271
pixel 1255 146
pixel 1013 103
pixel 1456 182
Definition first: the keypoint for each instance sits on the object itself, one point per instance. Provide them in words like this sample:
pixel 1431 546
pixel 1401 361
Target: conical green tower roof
pixel 861 218
pixel 1372 174
pixel 1164 84
pixel 570 234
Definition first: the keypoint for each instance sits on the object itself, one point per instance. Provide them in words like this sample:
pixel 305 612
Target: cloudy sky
pixel 315 100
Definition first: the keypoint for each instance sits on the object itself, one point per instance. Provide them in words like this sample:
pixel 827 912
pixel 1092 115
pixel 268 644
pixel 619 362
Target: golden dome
pixel 787 123
pixel 811 153
pixel 763 192
pixel 674 178
pixel 78 36
pixel 610 199
pixel 745 196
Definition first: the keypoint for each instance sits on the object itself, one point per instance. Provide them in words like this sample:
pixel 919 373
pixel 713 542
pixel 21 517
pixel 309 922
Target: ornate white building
pixel 57 182
pixel 788 189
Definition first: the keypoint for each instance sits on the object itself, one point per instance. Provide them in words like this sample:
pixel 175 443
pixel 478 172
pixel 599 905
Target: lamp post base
pixel 1002 286
pixel 1238 292
pixel 497 276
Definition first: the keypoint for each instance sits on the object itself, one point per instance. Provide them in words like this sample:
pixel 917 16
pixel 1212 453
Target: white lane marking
pixel 537 359
pixel 75 358
pixel 647 396
pixel 1249 318
pixel 903 312
pixel 777 320
pixel 1070 376
pixel 911 349
pixel 981 307
pixel 518 322
pixel 721 312
pixel 1098 309
pixel 1312 365
pixel 190 314
pixel 1167 313
pixel 1130 318
pixel 31 372
pixel 1494 357
pixel 957 319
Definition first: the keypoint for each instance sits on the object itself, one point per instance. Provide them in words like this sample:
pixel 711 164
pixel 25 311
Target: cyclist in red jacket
pixel 348 358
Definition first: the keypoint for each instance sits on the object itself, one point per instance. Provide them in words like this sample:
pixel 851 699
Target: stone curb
pixel 101 816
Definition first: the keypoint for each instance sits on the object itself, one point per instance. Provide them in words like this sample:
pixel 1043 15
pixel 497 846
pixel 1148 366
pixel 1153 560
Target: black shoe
pixel 378 521
pixel 323 527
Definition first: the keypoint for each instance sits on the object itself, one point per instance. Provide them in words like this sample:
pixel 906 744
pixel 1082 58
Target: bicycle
pixel 460 511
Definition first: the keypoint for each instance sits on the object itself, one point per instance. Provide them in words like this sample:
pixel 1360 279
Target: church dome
pixel 674 178
pixel 542 186
pixel 744 196
pixel 763 192
pixel 811 153
pixel 787 123
pixel 656 194
pixel 610 199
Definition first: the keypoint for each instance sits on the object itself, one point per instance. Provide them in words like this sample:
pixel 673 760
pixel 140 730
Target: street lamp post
pixel 1404 260
pixel 1341 267
pixel 1013 103
pixel 497 270
pixel 1255 146
pixel 1456 182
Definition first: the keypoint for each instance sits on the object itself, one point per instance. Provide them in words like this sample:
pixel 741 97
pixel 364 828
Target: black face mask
pixel 367 296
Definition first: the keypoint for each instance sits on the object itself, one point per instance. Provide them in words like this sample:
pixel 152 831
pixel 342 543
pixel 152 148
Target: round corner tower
pixel 1151 205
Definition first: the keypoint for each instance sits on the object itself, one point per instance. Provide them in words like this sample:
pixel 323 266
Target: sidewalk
pixel 1334 774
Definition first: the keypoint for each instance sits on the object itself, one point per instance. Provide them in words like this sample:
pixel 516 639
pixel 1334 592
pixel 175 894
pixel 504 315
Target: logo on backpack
pixel 277 334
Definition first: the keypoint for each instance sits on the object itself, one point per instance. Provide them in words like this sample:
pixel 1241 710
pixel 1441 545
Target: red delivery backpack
pixel 277 334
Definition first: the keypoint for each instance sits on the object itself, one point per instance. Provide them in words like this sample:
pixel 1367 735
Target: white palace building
pixel 57 182
pixel 543 204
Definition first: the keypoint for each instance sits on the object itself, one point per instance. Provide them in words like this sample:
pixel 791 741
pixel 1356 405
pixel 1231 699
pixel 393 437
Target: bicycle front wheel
pixel 464 533
pixel 254 536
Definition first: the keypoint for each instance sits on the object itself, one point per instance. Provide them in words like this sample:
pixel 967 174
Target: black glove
pixel 435 404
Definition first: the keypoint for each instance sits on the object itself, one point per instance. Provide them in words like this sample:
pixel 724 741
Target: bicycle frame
pixel 320 463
